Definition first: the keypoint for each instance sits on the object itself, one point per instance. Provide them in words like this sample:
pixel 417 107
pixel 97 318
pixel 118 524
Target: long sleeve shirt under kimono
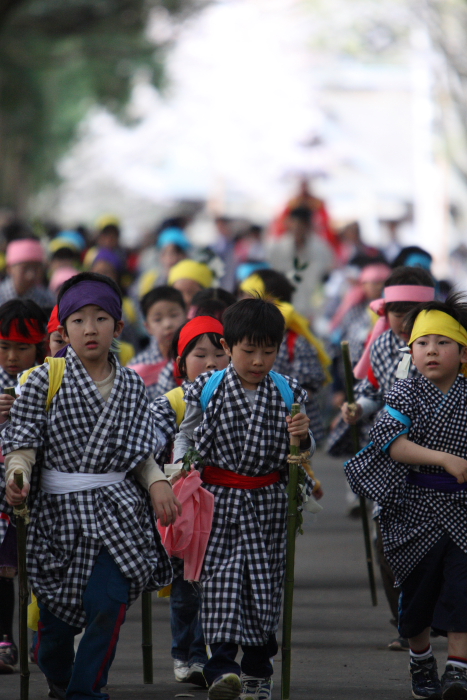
pixel 413 518
pixel 82 433
pixel 244 563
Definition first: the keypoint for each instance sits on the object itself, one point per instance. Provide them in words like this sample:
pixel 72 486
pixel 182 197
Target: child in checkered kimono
pixel 243 436
pixel 198 349
pixel 92 542
pixel 415 468
pixel 22 345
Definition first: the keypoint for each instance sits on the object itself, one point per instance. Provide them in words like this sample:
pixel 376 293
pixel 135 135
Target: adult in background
pixel 25 261
pixel 302 250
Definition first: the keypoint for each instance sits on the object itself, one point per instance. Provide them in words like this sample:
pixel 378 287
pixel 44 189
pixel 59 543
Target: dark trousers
pixel 392 593
pixel 256 661
pixel 105 600
pixel 187 633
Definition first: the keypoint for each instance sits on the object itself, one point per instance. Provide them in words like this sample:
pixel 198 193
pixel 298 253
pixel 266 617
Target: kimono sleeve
pixel 194 391
pixel 398 415
pixel 306 366
pixel 165 423
pixel 300 395
pixel 28 415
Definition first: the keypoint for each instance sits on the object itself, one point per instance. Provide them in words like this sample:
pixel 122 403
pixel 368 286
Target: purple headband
pixel 90 292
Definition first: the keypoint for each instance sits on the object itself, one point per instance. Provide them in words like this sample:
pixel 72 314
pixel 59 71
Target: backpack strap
pixel 57 367
pixel 215 379
pixel 210 387
pixel 284 387
pixel 176 399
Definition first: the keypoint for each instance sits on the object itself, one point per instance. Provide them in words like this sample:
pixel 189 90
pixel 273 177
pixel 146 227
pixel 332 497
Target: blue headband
pixel 175 236
pixel 90 292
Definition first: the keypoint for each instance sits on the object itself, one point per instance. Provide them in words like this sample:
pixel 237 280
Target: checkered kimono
pixel 244 563
pixel 150 356
pixel 355 328
pixel 414 518
pixel 385 356
pixel 83 433
pixel 306 368
pixel 165 383
pixel 42 296
pixel 5 380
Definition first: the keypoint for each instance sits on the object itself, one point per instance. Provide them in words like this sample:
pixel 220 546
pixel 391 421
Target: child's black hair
pixel 87 277
pixel 276 285
pixel 162 293
pixel 215 339
pixel 22 311
pixel 257 320
pixel 410 276
pixel 405 253
pixel 212 302
pixel 455 306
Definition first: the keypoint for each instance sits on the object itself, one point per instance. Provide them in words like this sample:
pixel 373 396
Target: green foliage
pixel 56 60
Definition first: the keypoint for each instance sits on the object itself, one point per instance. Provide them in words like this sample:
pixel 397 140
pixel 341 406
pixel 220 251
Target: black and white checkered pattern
pixel 244 563
pixel 150 356
pixel 165 383
pixel 166 421
pixel 307 370
pixel 413 518
pixel 42 296
pixel 355 328
pixel 83 433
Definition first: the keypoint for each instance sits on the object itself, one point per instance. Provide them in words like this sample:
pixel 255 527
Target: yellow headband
pixel 253 285
pixel 191 270
pixel 438 323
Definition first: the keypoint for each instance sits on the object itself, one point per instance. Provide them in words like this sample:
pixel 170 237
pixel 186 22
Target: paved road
pixel 339 639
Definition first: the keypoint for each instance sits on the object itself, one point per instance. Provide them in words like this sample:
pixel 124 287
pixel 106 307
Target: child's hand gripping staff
pixel 21 512
pixel 298 428
pixel 366 526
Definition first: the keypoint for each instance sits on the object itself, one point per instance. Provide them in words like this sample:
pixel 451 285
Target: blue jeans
pixel 256 661
pixel 187 634
pixel 105 601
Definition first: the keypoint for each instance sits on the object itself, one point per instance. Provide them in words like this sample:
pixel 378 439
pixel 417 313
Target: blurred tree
pixel 57 59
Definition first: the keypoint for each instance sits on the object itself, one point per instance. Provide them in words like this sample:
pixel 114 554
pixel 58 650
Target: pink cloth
pixel 149 373
pixel 24 250
pixel 396 292
pixel 188 537
pixel 60 276
pixel 356 294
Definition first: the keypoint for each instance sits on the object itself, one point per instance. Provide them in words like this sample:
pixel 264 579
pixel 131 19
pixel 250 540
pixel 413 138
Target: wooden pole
pixel 22 519
pixel 292 515
pixel 349 379
pixel 146 615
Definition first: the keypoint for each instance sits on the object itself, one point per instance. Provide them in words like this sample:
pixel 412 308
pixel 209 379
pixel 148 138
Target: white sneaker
pixel 181 670
pixel 226 687
pixel 256 688
pixel 195 675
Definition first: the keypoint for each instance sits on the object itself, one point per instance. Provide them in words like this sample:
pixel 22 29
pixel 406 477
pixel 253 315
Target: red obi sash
pixel 224 477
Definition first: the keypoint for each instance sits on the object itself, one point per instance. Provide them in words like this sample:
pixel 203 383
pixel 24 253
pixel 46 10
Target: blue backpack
pixel 216 378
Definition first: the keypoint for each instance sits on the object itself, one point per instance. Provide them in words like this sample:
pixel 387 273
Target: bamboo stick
pixel 146 616
pixel 349 379
pixel 21 527
pixel 290 563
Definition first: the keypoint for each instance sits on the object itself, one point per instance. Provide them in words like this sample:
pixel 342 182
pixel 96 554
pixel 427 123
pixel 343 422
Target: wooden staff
pixel 146 613
pixel 22 519
pixel 292 515
pixel 356 447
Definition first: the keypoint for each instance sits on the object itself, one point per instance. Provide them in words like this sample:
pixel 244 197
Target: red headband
pixel 198 326
pixel 35 336
pixel 54 323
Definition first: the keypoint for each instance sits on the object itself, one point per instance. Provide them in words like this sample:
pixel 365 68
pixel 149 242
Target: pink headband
pixel 396 292
pixel 374 273
pixel 24 250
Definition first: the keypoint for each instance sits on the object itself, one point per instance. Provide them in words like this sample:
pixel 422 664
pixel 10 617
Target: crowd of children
pixel 98 426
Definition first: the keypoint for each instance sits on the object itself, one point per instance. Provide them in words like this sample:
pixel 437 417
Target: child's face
pixel 373 290
pixel 203 358
pixel 90 332
pixel 16 357
pixel 56 342
pixel 25 276
pixel 188 289
pixel 162 320
pixel 251 362
pixel 171 255
pixel 396 320
pixel 438 358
